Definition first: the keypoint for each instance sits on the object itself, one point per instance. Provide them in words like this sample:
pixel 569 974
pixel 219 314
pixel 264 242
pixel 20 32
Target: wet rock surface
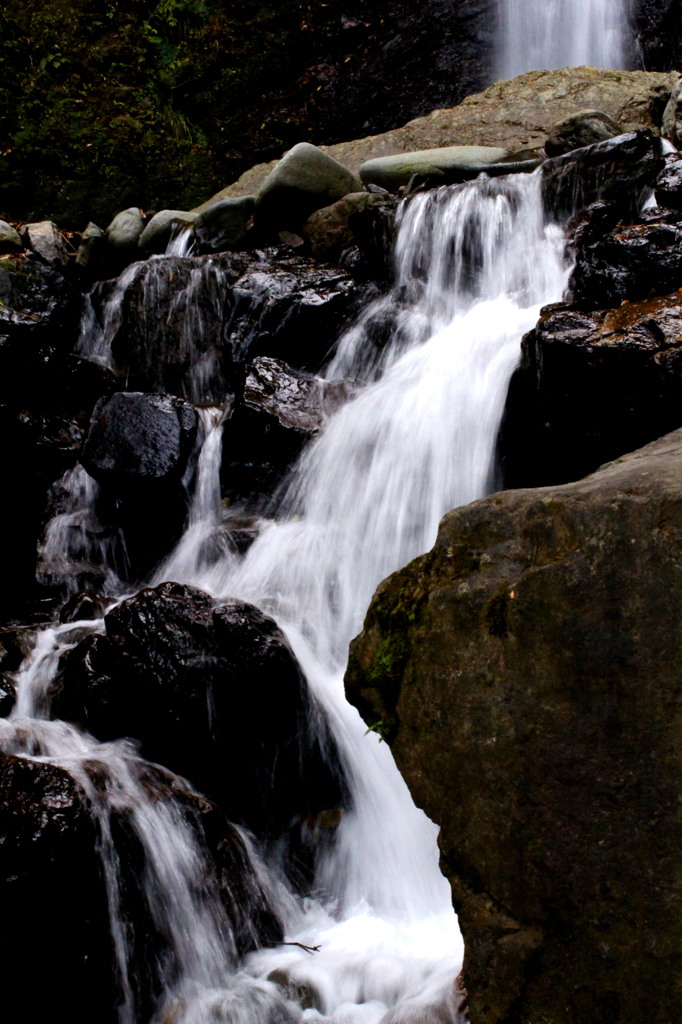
pixel 625 261
pixel 189 324
pixel 617 170
pixel 590 387
pixel 53 898
pixel 545 624
pixel 280 410
pixel 136 439
pixel 669 183
pixel 214 694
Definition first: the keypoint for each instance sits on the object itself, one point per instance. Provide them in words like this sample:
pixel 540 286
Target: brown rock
pixel 527 672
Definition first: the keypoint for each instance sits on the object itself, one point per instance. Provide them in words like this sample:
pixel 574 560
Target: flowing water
pixel 542 34
pixel 473 266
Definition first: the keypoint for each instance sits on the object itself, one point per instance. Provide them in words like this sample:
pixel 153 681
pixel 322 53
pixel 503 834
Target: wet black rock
pixel 592 386
pixel 40 292
pixel 53 900
pixel 47 398
pixel 137 448
pixel 189 325
pixel 216 695
pixel 631 262
pixel 137 439
pixel 85 604
pixel 280 410
pixel 669 183
pixel 617 170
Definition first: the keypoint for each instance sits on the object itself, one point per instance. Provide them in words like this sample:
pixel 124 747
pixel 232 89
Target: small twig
pixel 308 949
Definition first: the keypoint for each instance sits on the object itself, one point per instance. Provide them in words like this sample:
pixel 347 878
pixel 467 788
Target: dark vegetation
pixel 109 103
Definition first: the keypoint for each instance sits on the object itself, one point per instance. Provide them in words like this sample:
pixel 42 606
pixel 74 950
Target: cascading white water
pixel 534 35
pixel 474 264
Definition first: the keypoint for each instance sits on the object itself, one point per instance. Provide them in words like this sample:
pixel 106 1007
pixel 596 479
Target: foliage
pixel 111 103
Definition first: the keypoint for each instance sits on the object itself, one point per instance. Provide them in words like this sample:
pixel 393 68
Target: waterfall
pixel 474 264
pixel 536 35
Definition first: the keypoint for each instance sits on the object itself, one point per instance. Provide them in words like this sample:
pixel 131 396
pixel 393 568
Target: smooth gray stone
pixel 305 179
pixel 583 128
pixel 10 240
pixel 45 240
pixel 91 240
pixel 126 228
pixel 391 172
pixel 162 228
pixel 671 127
pixel 224 225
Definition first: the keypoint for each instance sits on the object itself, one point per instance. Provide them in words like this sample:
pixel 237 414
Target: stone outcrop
pixel 279 411
pixel 526 675
pixel 514 115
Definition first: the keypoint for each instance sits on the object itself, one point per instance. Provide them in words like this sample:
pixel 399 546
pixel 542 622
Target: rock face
pixel 216 695
pixel 526 674
pixel 188 325
pixel 590 387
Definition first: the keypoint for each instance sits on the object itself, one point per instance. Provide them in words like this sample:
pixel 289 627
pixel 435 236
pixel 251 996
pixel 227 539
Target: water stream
pixel 561 33
pixel 473 266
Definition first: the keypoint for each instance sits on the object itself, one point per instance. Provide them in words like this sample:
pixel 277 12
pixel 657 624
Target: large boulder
pixel 526 674
pixel 216 695
pixel 591 386
pixel 137 448
pixel 139 440
pixel 189 324
pixel 53 889
pixel 391 172
pixel 305 179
